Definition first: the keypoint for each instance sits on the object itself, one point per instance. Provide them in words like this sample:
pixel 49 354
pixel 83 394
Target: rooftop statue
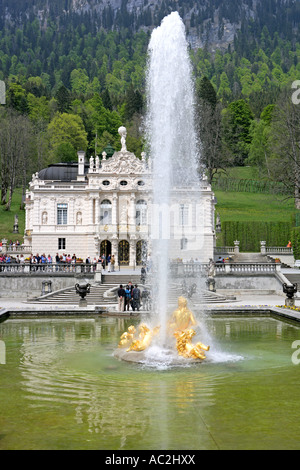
pixel 123 133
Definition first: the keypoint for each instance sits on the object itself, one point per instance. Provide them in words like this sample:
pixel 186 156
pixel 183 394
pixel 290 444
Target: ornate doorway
pixel 123 254
pixel 105 247
pixel 141 252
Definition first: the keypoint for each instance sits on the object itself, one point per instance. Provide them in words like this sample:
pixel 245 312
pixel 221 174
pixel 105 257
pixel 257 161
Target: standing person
pixel 121 298
pixel 103 261
pixel 127 297
pixel 112 263
pixel 136 298
pixel 57 260
pixel 143 275
pixel 108 260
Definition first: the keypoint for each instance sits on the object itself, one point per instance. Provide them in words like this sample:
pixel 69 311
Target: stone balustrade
pixel 47 268
pixel 264 250
pixel 279 250
pixel 190 269
pixel 15 249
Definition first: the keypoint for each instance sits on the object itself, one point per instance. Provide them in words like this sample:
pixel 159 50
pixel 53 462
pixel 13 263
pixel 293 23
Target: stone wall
pixel 29 286
pixel 256 283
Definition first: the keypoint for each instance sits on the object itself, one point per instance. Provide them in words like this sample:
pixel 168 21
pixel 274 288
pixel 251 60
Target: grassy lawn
pixel 242 173
pixel 234 206
pixel 249 206
pixel 7 219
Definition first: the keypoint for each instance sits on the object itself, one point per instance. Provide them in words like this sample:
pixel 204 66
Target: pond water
pixel 62 388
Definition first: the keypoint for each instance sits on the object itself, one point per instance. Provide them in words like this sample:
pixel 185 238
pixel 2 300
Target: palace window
pixel 62 214
pixel 141 212
pixel 61 243
pixel 105 212
pixel 183 214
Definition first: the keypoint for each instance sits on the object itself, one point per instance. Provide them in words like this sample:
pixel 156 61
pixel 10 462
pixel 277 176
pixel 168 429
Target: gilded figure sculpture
pixel 179 326
pixel 182 318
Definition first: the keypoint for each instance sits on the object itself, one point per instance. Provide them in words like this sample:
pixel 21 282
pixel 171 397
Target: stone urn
pixel 82 289
pixel 290 290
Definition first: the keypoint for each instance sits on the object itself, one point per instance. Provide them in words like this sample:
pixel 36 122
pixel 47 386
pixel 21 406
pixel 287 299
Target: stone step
pixel 294 278
pixel 96 296
pixel 121 278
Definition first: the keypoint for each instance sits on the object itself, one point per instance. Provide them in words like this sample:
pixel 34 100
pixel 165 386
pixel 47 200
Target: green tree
pixel 133 103
pixel 67 128
pixel 209 129
pixel 17 98
pixel 65 152
pixel 237 119
pixel 79 81
pixel 63 98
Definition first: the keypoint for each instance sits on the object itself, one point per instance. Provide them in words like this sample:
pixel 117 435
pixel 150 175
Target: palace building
pixel 105 206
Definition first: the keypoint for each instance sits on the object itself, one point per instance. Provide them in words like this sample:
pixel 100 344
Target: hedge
pixel 250 234
pixel 295 239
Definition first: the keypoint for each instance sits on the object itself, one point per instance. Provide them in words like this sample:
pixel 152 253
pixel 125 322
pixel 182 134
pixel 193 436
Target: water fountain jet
pixel 173 152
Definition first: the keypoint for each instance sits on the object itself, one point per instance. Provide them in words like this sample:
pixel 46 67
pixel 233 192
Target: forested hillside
pixel 75 71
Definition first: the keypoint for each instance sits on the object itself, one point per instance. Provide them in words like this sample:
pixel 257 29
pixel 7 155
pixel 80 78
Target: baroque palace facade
pixel 105 206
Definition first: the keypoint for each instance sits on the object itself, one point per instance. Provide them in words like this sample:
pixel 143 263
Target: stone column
pixel 132 211
pixel 92 210
pixel 114 249
pixel 114 213
pixel 97 221
pixel 132 253
pixel 263 248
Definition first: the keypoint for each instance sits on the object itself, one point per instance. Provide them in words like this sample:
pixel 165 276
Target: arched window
pixel 141 212
pixel 105 212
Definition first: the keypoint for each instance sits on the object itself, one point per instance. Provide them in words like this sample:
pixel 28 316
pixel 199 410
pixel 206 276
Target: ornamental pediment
pixel 123 162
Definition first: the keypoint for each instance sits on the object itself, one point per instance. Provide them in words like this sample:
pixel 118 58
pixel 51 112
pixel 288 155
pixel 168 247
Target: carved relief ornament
pixel 125 163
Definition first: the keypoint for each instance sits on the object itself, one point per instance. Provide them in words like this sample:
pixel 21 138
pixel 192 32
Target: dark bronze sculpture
pixel 82 289
pixel 290 290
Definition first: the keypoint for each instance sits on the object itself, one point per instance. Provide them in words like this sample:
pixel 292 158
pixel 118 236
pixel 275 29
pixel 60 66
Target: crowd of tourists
pixel 131 297
pixel 64 259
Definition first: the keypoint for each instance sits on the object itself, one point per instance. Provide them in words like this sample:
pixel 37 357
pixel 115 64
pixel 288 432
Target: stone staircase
pixel 70 296
pixel 255 258
pixel 293 278
pixel 200 297
pixel 96 294
pixel 251 258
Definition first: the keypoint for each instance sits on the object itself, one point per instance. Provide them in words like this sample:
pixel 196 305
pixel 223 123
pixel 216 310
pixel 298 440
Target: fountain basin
pixel 143 357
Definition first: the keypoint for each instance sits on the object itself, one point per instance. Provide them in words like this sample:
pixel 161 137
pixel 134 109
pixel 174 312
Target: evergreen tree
pixel 63 98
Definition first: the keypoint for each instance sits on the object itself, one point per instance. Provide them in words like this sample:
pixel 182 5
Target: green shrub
pixel 250 234
pixel 295 239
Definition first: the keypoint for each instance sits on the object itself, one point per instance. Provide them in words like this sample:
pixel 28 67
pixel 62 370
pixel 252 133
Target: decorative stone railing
pixel 251 268
pixel 47 268
pixel 15 249
pixel 191 269
pixel 264 249
pixel 279 250
pixel 224 250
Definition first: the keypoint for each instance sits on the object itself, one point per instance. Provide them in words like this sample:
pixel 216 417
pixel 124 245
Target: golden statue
pixel 145 338
pixel 182 318
pixel 179 326
pixel 185 347
pixel 127 337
